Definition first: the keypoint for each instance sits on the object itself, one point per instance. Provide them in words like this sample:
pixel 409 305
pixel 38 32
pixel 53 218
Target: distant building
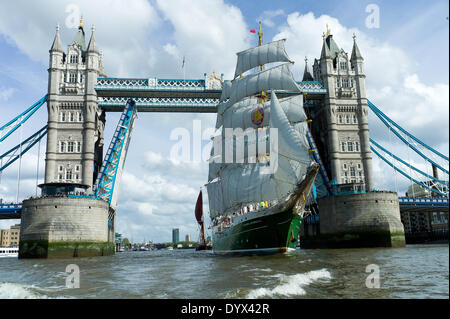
pixel 10 237
pixel 188 237
pixel 175 235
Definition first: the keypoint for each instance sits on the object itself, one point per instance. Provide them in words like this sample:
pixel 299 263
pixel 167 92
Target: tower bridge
pixel 75 216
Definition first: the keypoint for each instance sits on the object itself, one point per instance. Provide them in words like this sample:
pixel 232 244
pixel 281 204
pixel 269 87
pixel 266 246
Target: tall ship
pixel 261 168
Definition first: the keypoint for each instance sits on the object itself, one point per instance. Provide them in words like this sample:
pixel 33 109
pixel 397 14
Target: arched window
pixel 71 117
pixel 347 119
pixel 63 116
pixel 70 147
pixel 350 146
pixel 340 119
pixel 354 119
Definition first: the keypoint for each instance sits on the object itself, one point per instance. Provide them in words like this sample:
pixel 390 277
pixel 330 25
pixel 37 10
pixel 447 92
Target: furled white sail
pixel 267 53
pixel 242 116
pixel 276 78
pixel 226 91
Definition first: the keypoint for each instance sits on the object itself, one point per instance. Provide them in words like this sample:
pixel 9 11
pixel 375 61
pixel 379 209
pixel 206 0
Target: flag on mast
pixel 253 31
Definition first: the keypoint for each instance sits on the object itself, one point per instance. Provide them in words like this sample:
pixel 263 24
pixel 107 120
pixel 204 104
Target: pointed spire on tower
pixel 92 47
pixel 325 50
pixel 356 54
pixel 57 45
pixel 306 75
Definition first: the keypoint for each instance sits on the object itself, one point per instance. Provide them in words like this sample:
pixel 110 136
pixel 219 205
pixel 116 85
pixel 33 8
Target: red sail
pixel 199 209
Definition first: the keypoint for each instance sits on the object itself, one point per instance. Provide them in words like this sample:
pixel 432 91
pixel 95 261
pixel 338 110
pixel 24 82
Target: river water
pixel 417 271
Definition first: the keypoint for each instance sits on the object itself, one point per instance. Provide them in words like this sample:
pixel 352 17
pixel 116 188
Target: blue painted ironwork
pixel 385 120
pixel 379 113
pixel 408 164
pixel 10 211
pixel 405 174
pixel 115 156
pixel 423 202
pixel 20 119
pixel 155 84
pixel 17 151
pixel 322 183
pixel 163 104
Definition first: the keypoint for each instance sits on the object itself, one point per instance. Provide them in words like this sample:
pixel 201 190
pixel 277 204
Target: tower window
pixel 357 147
pixel 340 119
pixel 73 78
pixel 71 117
pixel 69 175
pixel 343 65
pixel 354 119
pixel 345 166
pixel 350 146
pixel 70 147
pixel 73 59
pixel 347 119
pixel 60 168
pixel 352 172
pixel 62 147
pixel 77 168
pixel 80 117
pixel 343 146
pixel 78 147
pixel 63 116
pixel 345 82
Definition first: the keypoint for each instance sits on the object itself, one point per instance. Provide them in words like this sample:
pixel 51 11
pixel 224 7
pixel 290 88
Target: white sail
pixel 226 91
pixel 290 142
pixel 276 78
pixel 266 53
pixel 242 116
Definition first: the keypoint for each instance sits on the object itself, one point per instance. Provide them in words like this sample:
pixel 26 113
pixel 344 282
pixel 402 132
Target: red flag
pixel 253 31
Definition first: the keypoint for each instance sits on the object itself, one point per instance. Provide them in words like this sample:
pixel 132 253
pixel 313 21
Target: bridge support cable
pixel 380 114
pixel 387 121
pixel 7 129
pixel 107 184
pixel 17 151
pixel 408 164
pixel 406 175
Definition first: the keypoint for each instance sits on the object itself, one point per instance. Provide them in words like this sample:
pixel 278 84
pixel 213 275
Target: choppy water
pixel 417 271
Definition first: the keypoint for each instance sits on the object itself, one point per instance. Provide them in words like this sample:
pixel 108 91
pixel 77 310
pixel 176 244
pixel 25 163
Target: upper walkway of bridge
pixel 166 95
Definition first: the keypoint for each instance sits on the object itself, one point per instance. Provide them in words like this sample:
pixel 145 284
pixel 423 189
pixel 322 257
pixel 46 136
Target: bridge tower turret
pixel 75 134
pixel 342 128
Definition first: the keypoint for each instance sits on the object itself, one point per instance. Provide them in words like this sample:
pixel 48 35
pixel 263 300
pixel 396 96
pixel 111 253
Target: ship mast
pixel 261 67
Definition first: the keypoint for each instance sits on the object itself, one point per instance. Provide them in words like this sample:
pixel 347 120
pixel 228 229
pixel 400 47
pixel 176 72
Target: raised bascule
pixel 75 215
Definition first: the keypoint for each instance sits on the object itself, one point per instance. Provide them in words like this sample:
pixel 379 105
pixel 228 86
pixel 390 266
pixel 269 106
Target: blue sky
pixel 406 61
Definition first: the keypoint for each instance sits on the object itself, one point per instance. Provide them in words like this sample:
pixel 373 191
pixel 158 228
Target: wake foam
pixel 18 291
pixel 290 286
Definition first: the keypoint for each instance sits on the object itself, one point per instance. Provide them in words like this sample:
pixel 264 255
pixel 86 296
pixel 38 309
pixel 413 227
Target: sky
pixel 404 44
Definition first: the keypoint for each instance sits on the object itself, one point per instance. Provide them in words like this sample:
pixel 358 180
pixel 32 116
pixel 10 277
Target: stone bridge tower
pixel 75 123
pixel 341 128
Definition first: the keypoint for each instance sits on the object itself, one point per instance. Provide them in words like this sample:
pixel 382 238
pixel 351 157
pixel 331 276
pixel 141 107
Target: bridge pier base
pixel 64 227
pixel 357 220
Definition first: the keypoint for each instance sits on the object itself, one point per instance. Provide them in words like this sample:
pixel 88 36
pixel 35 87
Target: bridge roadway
pixel 164 95
pixel 13 211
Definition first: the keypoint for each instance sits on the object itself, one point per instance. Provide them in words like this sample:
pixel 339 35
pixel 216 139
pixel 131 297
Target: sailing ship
pixel 257 194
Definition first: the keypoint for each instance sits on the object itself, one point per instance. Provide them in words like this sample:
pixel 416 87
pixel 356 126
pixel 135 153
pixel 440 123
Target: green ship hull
pixel 267 234
pixel 268 231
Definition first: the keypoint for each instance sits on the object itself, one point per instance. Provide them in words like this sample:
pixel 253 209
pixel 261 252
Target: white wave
pixel 292 285
pixel 18 291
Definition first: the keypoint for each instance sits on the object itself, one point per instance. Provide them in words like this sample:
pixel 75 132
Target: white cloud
pixel 5 94
pixel 267 17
